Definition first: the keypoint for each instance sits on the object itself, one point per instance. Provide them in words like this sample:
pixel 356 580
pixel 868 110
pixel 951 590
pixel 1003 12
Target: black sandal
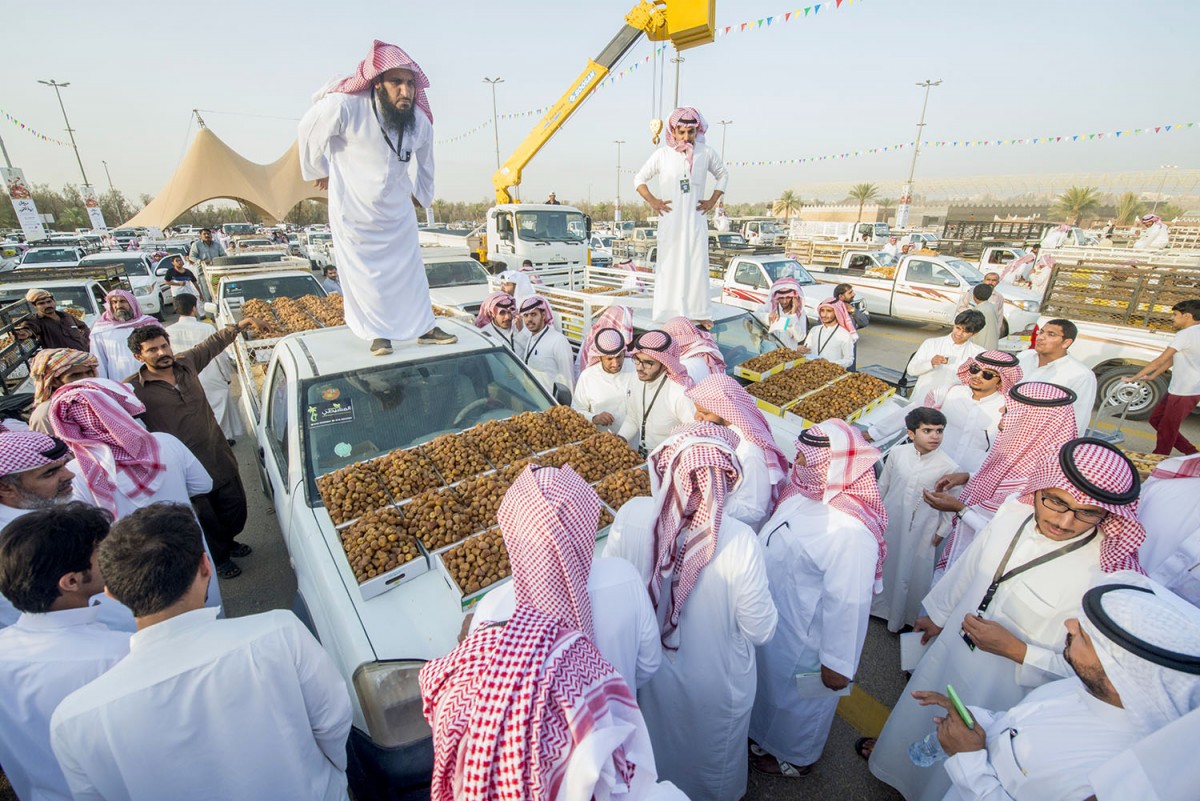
pixel 228 570
pixel 864 747
pixel 240 549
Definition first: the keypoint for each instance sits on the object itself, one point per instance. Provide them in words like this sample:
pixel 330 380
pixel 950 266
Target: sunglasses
pixel 988 375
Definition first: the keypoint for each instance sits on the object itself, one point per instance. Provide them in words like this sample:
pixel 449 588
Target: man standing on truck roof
pixel 357 141
pixel 1182 358
pixel 205 249
pixel 1049 361
pixel 56 329
pixel 683 167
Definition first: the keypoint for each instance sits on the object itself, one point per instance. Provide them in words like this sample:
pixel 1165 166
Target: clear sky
pixel 841 80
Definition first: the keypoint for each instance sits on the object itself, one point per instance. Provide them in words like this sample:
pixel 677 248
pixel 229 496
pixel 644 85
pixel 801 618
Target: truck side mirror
pixel 210 309
pixel 950 282
pixel 587 221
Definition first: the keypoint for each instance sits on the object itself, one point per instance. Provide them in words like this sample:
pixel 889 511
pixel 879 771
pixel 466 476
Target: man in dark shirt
pixel 169 386
pixel 56 329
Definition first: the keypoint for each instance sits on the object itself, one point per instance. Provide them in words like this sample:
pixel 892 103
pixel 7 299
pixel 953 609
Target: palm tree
pixel 787 205
pixel 1078 201
pixel 862 193
pixel 1129 208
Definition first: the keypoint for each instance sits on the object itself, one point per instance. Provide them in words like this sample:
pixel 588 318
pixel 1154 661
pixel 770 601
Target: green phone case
pixel 960 707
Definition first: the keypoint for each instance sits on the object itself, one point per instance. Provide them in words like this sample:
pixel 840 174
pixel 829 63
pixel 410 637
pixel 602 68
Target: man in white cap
pixel 357 141
pixel 1154 234
pixel 1135 653
pixel 547 352
pixel 683 167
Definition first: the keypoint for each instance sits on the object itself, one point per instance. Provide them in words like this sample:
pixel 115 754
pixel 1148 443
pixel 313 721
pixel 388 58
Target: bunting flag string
pixel 31 130
pixel 965 143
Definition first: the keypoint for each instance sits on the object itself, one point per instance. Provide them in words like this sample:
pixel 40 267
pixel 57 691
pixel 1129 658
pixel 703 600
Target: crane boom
pixel 687 23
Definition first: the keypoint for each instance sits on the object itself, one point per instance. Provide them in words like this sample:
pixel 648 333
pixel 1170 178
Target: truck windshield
pixel 134 266
pixel 282 286
pixel 45 255
pixel 881 229
pixel 731 241
pixel 966 270
pixel 234 229
pixel 455 273
pixel 404 405
pixel 551 226
pixel 65 297
pixel 788 268
pixel 742 337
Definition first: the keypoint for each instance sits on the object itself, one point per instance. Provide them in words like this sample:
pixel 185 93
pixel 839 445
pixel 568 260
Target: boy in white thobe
pixel 783 313
pixel 713 607
pixel 602 391
pixel 497 319
pixel 1050 362
pixel 683 167
pixel 260 703
pixel 357 141
pixel 1073 521
pixel 48 569
pixel 1170 510
pixel 824 548
pixel 190 331
pixel 547 352
pixel 829 340
pixel 915 529
pixel 658 400
pixel 937 361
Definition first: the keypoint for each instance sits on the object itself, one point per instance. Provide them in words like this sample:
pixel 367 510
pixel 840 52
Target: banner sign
pixel 92 203
pixel 23 205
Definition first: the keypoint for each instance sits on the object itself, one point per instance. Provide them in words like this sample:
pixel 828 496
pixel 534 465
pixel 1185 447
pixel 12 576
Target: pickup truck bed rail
pixel 1139 297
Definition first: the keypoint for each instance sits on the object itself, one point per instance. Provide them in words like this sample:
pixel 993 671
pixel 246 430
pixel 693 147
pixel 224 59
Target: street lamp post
pixel 108 175
pixel 617 210
pixel 70 130
pixel 1162 184
pixel 677 60
pixel 905 205
pixel 495 117
pixel 724 124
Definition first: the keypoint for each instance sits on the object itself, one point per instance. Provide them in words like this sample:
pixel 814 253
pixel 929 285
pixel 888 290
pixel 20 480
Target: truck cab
pixel 456 281
pixel 550 236
pixel 763 232
pixel 748 281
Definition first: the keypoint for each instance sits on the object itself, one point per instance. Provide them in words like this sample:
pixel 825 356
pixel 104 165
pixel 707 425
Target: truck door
pixel 927 292
pixel 749 286
pixel 275 431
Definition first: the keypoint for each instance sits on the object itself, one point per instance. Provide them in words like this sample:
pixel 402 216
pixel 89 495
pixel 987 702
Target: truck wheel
pixel 1142 396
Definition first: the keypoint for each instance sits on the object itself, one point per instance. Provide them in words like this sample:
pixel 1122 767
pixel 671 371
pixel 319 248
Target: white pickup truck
pixel 748 280
pixel 407 398
pixel 456 281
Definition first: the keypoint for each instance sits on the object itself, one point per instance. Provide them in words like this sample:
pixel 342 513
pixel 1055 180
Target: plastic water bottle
pixel 927 751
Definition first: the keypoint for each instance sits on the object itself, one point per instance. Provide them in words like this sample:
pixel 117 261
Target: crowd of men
pixel 728 612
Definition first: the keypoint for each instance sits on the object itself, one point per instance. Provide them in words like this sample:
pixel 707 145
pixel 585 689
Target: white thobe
pixel 655 407
pixel 622 618
pixel 248 707
pixel 1160 767
pixel 114 359
pixel 929 377
pixel 1067 372
pixel 1156 237
pixel 912 526
pixel 1054 239
pixel 1041 749
pixel 1032 605
pixel 967 301
pixel 971 425
pixel 599 391
pixel 697 706
pixel 790 329
pixel 43 659
pixel 892 249
pixel 1170 511
pixel 750 500
pixel 184 479
pixel 371 212
pixel 548 354
pixel 832 343
pixel 515 339
pixel 683 288
pixel 821 567
pixel 215 378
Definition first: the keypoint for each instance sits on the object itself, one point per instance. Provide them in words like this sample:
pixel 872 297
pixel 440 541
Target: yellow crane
pixel 686 23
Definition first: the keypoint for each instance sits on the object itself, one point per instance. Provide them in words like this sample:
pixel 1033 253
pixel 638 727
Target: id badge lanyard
pixel 646 413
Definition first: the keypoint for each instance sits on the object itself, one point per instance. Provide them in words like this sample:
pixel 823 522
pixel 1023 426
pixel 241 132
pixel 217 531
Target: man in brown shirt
pixel 169 386
pixel 56 329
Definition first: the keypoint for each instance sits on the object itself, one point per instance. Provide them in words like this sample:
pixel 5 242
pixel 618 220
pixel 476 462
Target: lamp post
pixel 1162 184
pixel 70 130
pixel 677 60
pixel 495 117
pixel 723 124
pixel 905 205
pixel 108 175
pixel 617 210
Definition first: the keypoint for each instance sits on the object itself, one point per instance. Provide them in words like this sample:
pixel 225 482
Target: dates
pixel 619 488
pixel 479 562
pixel 583 462
pixel 510 472
pixel 842 399
pixel 606 520
pixel 611 451
pixel 405 473
pixel 538 431
pixel 327 310
pixel 482 497
pixel 293 316
pixel 454 458
pixel 498 441
pixel 573 424
pixel 783 388
pixel 437 518
pixel 351 491
pixel 376 543
pixel 771 359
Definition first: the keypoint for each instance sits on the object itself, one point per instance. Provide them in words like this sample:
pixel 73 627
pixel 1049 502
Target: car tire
pixel 1143 396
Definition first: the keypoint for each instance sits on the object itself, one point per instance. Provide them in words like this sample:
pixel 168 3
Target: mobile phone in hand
pixel 960 707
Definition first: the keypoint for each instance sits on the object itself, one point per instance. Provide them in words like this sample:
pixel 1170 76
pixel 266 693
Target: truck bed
pixel 1137 297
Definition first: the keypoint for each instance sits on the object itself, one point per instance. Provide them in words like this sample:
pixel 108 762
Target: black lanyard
pixel 400 155
pixel 646 412
pixel 531 348
pixel 510 339
pixel 821 345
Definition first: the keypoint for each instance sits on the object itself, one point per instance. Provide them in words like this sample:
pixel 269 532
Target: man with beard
pixel 357 141
pixel 56 329
pixel 547 352
pixel 602 391
pixel 122 314
pixel 204 250
pixel 169 387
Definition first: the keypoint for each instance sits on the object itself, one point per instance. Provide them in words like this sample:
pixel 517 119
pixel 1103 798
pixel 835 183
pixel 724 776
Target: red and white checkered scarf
pixel 487 309
pixel 785 286
pixel 21 451
pixel 617 317
pixel 841 312
pixel 1030 438
pixel 1016 264
pixel 842 476
pixel 694 342
pixel 548 519
pixel 722 395
pixel 996 361
pixel 384 57
pixel 662 348
pixel 115 454
pixel 511 703
pixel 532 302
pixel 1101 468
pixel 679 145
pixel 1177 467
pixel 691 473
pixel 107 320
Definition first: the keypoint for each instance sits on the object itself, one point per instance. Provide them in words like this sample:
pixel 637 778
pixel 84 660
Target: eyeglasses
pixel 646 364
pixel 988 375
pixel 1082 515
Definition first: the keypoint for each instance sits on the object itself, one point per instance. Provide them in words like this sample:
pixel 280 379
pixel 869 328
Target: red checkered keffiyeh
pixel 21 451
pixel 548 519
pixel 723 395
pixel 841 312
pixel 107 320
pixel 841 475
pixel 785 286
pixel 1095 473
pixel 1039 419
pixel 616 317
pixel 678 145
pixel 691 474
pixel 384 57
pixel 997 361
pixel 1177 467
pixel 95 418
pixel 534 301
pixel 694 342
pixel 662 348
pixel 487 309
